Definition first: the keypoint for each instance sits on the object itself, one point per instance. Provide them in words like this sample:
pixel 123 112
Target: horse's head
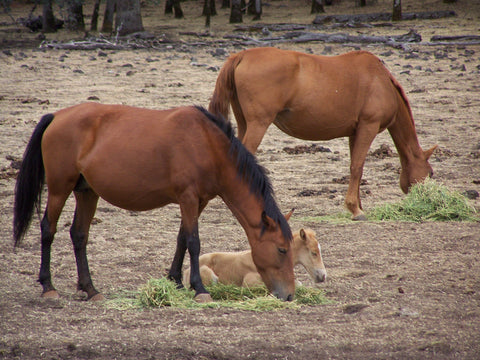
pixel 272 255
pixel 307 252
pixel 416 171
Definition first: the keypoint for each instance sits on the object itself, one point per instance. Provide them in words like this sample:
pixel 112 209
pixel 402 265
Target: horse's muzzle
pixel 285 296
pixel 320 276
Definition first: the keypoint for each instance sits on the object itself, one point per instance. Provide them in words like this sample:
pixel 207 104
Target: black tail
pixel 30 180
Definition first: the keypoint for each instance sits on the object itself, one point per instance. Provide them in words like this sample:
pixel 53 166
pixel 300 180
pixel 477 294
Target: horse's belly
pixel 134 198
pixel 319 127
pixel 129 188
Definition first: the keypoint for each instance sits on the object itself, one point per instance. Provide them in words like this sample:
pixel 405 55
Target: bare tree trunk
pixel 236 12
pixel 48 20
pixel 110 9
pixel 94 23
pixel 169 7
pixel 128 19
pixel 255 9
pixel 317 6
pixel 209 5
pixel 74 20
pixel 397 10
pixel 225 4
pixel 175 5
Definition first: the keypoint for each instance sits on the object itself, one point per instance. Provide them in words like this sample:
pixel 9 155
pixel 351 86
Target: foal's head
pixel 416 171
pixel 272 255
pixel 307 252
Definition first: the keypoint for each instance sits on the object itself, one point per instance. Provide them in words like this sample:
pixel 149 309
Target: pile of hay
pixel 163 292
pixel 428 201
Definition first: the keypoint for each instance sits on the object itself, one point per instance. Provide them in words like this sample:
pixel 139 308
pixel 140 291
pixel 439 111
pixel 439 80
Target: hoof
pixel 97 297
pixel 203 298
pixel 51 294
pixel 360 217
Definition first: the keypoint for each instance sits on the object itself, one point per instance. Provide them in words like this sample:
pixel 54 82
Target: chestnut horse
pixel 315 97
pixel 239 269
pixel 139 159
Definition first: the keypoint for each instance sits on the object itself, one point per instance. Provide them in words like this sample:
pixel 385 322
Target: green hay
pixel 428 201
pixel 164 293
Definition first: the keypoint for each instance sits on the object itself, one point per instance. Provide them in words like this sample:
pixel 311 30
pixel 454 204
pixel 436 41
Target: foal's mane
pixel 250 171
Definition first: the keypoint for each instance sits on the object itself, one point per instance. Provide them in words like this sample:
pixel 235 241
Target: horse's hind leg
pixel 84 212
pixel 48 227
pixel 253 123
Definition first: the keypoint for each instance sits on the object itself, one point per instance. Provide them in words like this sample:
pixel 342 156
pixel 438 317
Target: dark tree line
pixel 124 17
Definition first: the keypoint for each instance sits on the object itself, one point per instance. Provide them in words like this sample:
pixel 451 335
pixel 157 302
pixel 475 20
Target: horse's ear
pixel 268 221
pixel 429 152
pixel 303 235
pixel 289 214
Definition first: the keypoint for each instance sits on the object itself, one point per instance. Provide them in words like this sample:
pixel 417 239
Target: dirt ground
pixel 397 290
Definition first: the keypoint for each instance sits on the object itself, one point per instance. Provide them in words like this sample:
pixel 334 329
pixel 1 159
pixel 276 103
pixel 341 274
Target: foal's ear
pixel 429 152
pixel 268 221
pixel 289 214
pixel 303 235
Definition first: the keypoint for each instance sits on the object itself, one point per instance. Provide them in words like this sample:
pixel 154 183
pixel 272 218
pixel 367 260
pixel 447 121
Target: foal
pixel 238 268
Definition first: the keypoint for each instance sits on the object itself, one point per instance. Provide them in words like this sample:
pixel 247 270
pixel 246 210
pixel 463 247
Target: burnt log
pixel 360 18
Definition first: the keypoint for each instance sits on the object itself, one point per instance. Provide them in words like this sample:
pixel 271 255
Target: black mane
pixel 250 171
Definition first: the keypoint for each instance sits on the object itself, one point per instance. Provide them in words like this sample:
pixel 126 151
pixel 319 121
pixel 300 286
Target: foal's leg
pixel 359 145
pixel 252 279
pixel 85 209
pixel 208 275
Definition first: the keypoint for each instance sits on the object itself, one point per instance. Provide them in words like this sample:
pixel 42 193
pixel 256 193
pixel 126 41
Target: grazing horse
pixel 139 159
pixel 239 269
pixel 321 98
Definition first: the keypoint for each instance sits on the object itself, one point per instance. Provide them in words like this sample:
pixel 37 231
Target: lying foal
pixel 238 267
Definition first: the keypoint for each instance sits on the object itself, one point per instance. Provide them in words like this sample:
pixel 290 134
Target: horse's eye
pixel 282 250
pixel 314 254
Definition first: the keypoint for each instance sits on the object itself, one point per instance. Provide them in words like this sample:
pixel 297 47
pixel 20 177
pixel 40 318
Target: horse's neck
pixel 245 205
pixel 404 136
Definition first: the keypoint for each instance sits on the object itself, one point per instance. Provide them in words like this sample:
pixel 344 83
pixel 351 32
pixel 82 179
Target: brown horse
pixel 140 159
pixel 320 98
pixel 239 269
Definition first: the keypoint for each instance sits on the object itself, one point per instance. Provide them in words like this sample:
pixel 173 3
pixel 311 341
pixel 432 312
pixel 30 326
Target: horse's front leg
pixel 193 245
pixel 359 145
pixel 175 273
pixel 188 238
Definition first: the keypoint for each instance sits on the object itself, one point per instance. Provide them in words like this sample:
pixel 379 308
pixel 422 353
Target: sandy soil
pixel 398 290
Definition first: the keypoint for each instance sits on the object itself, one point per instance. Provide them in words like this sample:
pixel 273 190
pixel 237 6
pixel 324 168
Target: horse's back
pixel 135 158
pixel 314 97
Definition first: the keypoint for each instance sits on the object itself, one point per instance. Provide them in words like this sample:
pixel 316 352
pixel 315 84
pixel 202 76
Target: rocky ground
pixel 397 290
